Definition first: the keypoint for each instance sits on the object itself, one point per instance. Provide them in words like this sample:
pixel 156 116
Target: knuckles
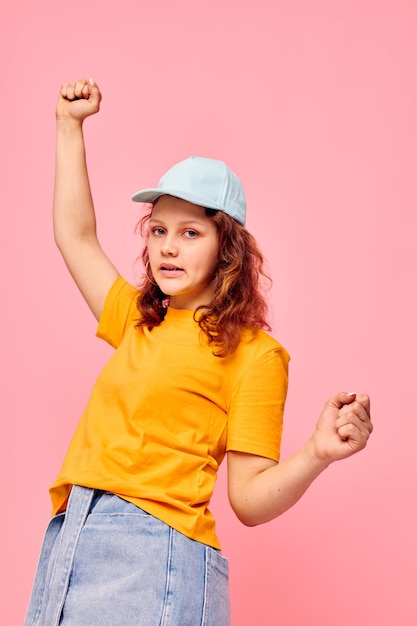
pixel 364 400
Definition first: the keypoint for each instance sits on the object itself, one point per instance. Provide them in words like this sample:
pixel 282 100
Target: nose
pixel 169 247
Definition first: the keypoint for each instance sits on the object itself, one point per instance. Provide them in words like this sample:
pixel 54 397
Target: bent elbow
pixel 247 515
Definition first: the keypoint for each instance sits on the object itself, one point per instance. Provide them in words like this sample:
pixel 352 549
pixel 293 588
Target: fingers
pixel 341 399
pixel 364 400
pixel 355 409
pixel 82 89
pixel 78 100
pixel 343 428
pixel 354 423
pixel 73 91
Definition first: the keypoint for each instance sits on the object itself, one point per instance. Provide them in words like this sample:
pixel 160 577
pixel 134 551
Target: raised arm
pixel 73 209
pixel 261 489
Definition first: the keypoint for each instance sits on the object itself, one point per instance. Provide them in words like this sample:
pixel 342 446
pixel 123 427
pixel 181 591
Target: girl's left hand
pixel 343 428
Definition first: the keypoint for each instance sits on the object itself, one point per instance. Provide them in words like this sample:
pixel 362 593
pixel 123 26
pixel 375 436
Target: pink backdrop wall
pixel 313 104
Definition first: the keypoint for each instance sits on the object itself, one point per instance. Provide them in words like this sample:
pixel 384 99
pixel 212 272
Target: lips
pixel 169 266
pixel 167 269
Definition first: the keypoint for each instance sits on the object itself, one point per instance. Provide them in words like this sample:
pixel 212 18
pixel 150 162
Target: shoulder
pixel 259 343
pixel 258 362
pixel 119 311
pixel 121 288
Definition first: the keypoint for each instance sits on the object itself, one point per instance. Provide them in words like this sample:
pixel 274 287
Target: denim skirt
pixel 105 562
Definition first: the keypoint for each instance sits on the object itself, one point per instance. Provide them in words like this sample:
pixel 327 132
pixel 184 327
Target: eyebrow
pixel 182 223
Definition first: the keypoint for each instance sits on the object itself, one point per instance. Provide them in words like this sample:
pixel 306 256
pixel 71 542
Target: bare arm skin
pixel 73 209
pixel 261 489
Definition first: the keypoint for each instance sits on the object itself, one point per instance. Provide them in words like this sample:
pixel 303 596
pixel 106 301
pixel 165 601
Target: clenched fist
pixel 343 428
pixel 78 100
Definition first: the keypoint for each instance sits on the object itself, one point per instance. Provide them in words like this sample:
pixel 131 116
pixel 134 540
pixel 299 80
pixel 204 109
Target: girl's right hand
pixel 78 100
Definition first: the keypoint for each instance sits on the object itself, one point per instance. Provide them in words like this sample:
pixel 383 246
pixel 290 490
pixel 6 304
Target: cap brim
pixel 150 195
pixel 147 195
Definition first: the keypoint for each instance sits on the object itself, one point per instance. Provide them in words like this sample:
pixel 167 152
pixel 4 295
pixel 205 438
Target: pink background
pixel 313 104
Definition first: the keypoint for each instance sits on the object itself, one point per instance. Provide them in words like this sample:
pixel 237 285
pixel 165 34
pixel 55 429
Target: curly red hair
pixel 239 280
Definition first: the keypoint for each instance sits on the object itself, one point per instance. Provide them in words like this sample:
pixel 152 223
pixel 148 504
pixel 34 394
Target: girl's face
pixel 183 248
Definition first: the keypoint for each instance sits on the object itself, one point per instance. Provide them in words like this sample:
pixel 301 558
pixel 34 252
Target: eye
pixel 191 234
pixel 158 231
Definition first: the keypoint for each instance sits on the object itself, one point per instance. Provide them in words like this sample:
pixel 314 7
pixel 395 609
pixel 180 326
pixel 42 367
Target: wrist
pixel 68 123
pixel 318 460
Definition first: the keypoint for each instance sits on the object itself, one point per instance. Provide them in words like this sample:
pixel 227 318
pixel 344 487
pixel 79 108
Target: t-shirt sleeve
pixel 119 312
pixel 256 412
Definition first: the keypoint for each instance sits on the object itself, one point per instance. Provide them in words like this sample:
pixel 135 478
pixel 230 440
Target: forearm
pixel 73 209
pixel 260 489
pixel 274 490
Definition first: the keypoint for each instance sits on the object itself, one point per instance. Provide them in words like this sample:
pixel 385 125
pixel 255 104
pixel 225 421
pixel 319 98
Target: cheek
pixel 213 258
pixel 152 257
pixel 151 248
pixel 215 253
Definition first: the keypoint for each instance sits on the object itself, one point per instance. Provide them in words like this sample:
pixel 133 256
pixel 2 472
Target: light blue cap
pixel 206 182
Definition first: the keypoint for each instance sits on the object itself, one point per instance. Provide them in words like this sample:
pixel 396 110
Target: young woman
pixel 194 376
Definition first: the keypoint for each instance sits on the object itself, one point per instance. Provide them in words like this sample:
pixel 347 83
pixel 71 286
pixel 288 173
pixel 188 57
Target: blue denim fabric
pixel 105 562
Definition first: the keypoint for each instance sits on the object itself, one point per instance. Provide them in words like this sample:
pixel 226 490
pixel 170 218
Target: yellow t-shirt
pixel 164 411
